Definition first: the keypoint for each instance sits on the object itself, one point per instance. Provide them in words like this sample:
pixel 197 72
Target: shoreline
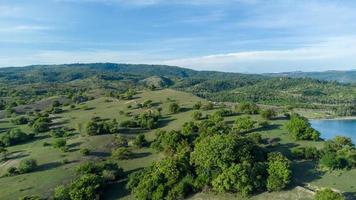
pixel 335 118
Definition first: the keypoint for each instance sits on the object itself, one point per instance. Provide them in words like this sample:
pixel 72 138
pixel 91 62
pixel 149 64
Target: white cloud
pixel 335 53
pixel 23 28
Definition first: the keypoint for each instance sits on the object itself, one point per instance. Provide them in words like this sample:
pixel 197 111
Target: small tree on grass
pixel 174 108
pixel 328 194
pixel 60 144
pixel 268 113
pixel 243 124
pixel 197 115
pixel 279 172
pixel 121 153
pixel 27 165
pixel 140 141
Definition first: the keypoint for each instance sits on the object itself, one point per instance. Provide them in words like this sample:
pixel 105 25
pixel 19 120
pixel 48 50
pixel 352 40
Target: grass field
pixel 52 171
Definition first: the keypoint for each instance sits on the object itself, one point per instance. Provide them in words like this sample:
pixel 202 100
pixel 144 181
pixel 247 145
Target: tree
pixel 328 194
pixel 85 187
pixel 121 153
pixel 20 120
pixel 27 165
pixel 140 141
pixel 197 105
pixel 41 125
pixel 235 179
pixel 300 128
pixel 61 193
pixel 279 172
pixel 197 115
pixel 174 108
pixel 268 113
pixel 243 124
pixel 60 144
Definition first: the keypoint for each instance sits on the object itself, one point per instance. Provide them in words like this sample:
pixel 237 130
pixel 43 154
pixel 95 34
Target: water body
pixel 330 128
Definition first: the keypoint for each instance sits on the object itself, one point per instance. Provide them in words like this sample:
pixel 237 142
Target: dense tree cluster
pixel 300 128
pixel 99 127
pixel 338 153
pixel 15 136
pixel 92 178
pixel 209 154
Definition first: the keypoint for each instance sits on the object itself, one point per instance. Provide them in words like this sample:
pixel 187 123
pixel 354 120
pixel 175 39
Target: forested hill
pixel 340 76
pixel 47 80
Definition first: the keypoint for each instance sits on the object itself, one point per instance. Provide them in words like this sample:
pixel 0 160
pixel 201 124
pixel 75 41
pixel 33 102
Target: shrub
pixel 140 141
pixel 27 165
pixel 174 108
pixel 197 115
pixel 61 193
pixel 328 194
pixel 279 172
pixel 121 153
pixel 121 141
pixel 85 151
pixel 20 120
pixel 15 136
pixel 60 143
pixel 268 114
pixel 11 171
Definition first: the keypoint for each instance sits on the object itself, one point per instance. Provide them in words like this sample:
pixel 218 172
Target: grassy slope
pixel 51 172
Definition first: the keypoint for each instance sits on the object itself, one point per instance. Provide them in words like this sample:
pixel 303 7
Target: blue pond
pixel 331 128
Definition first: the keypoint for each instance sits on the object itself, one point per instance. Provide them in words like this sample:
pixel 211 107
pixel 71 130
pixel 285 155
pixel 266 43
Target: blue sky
pixel 253 36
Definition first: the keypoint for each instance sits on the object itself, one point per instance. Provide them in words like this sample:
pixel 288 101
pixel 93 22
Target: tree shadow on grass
pixel 48 166
pixel 350 195
pixel 118 189
pixel 164 122
pixel 305 171
pixel 99 154
pixel 75 144
pixel 140 155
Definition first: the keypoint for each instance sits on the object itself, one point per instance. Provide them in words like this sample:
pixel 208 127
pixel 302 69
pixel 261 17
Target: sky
pixel 249 36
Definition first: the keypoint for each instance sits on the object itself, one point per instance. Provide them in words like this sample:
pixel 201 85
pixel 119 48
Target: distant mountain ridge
pixel 348 76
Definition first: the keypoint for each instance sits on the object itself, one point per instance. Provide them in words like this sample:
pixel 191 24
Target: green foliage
pixel 121 141
pixel 166 179
pixel 268 113
pixel 95 127
pixel 41 124
pixel 243 124
pixel 338 153
pixel 174 108
pixel 247 108
pixel 15 136
pixel 27 165
pixel 32 197
pixel 328 194
pixel 121 153
pixel 20 120
pixel 279 172
pixel 300 129
pixel 306 153
pixel 86 186
pixel 60 144
pixel 140 141
pixel 197 105
pixel 197 115
pixel 85 151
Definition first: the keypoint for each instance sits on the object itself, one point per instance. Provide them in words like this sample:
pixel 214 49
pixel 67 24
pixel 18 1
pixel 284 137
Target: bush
pixel 85 187
pixel 279 172
pixel 61 193
pixel 60 143
pixel 328 194
pixel 268 114
pixel 140 141
pixel 121 141
pixel 197 115
pixel 20 120
pixel 12 171
pixel 121 153
pixel 30 198
pixel 15 136
pixel 174 108
pixel 27 165
pixel 300 129
pixel 85 151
